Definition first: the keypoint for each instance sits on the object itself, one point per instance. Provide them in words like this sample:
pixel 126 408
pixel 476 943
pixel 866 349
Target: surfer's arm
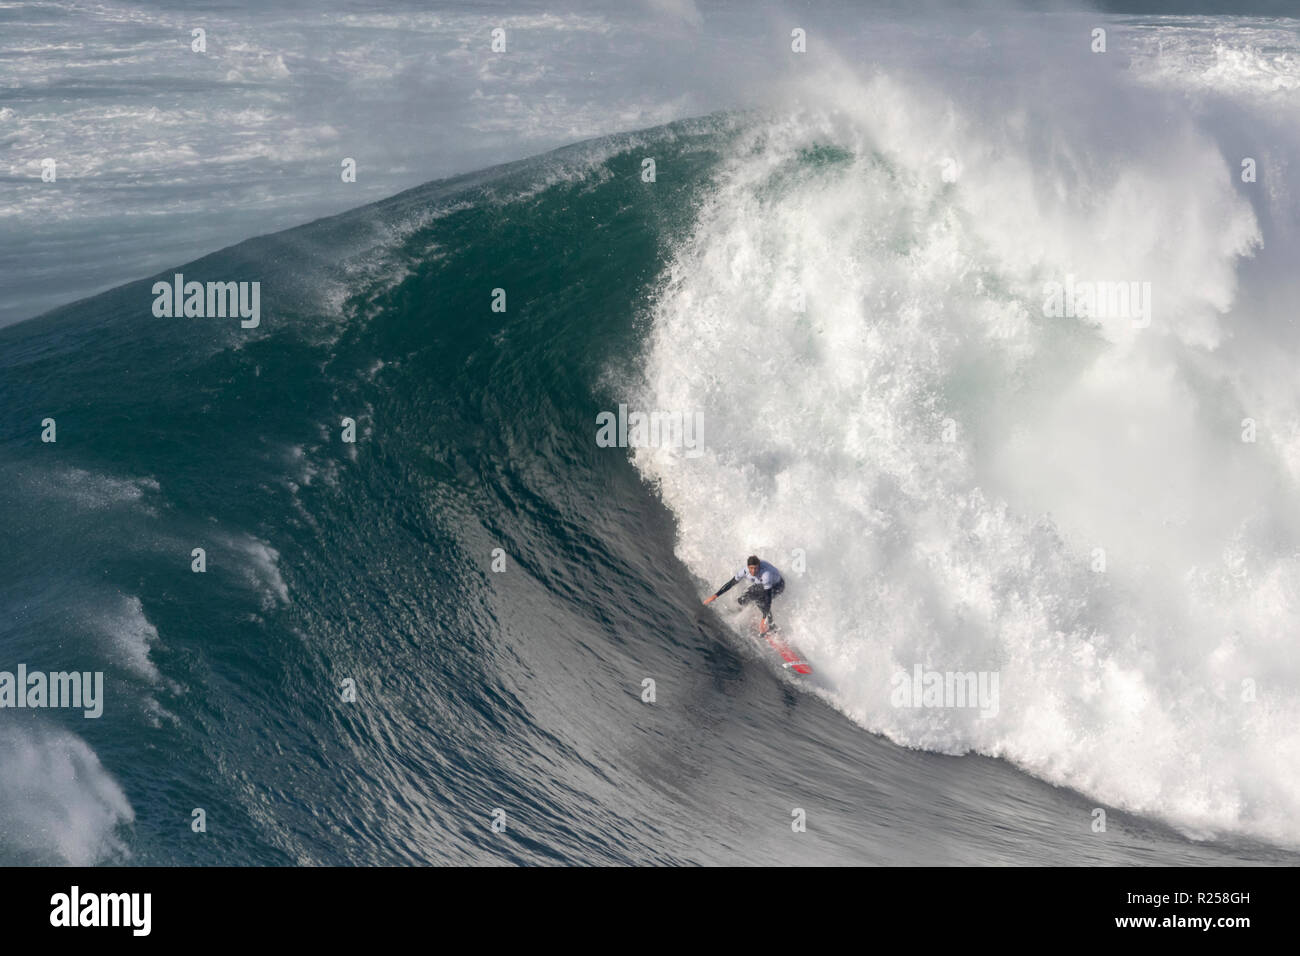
pixel 721 591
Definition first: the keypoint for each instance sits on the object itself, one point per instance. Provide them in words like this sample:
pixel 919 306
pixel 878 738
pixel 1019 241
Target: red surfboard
pixel 794 661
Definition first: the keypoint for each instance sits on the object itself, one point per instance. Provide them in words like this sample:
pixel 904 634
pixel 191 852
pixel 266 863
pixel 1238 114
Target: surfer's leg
pixel 754 593
pixel 769 598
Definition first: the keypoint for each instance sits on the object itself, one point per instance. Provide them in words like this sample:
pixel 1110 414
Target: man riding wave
pixel 765 583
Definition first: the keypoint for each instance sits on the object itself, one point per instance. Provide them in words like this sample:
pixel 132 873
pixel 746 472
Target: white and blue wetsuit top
pixel 768 575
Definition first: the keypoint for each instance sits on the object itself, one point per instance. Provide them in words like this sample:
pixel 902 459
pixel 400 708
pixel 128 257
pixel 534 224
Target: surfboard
pixel 790 655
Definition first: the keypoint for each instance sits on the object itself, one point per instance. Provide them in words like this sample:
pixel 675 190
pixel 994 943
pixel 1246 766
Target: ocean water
pixel 839 269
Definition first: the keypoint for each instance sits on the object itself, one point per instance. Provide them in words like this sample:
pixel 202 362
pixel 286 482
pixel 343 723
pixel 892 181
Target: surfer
pixel 765 583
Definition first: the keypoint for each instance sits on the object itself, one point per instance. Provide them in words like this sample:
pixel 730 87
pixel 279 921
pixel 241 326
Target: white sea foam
pixel 95 491
pixel 57 802
pixel 130 634
pixel 258 564
pixel 826 429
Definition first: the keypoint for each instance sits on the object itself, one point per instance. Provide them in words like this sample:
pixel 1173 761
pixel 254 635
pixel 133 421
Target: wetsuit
pixel 764 586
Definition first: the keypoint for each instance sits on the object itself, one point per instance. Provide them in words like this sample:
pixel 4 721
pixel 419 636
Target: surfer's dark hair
pixel 751 561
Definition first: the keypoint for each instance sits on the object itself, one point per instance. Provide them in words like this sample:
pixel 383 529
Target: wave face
pixel 495 586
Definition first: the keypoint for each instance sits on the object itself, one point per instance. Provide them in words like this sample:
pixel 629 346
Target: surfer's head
pixel 751 562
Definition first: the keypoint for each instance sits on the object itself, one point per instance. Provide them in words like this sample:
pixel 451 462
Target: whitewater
pixel 975 485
